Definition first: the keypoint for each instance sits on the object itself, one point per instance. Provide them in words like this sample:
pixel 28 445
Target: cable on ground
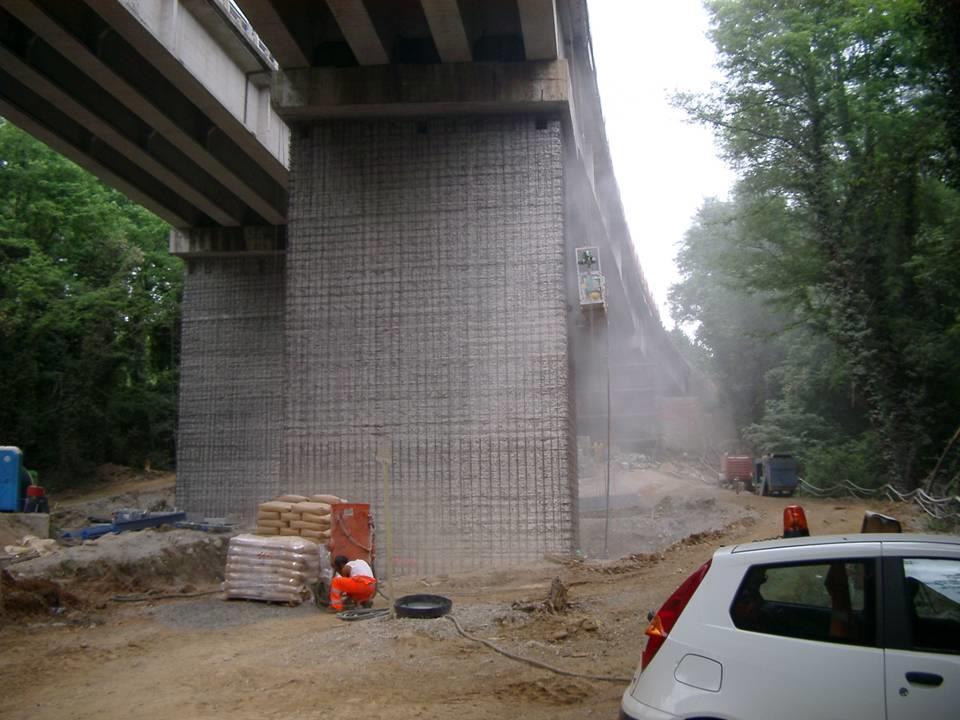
pixel 362 614
pixel 535 663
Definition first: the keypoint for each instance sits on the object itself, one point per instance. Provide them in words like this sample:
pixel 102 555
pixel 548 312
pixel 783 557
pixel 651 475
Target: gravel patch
pixel 214 613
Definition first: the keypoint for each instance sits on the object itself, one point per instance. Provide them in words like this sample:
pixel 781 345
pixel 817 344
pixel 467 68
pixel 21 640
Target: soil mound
pixel 32 597
pixel 134 562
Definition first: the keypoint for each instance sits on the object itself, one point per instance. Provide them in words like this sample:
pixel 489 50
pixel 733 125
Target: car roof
pixel 844 539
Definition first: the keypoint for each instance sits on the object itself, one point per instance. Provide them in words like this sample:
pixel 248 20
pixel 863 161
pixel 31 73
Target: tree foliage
pixel 89 304
pixel 842 235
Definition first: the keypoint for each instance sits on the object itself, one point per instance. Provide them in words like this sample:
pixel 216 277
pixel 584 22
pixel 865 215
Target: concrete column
pixel 231 372
pixel 426 300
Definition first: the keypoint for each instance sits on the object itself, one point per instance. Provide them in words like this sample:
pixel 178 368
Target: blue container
pixel 11 460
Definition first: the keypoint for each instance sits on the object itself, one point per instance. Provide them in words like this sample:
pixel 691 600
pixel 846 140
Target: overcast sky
pixel 644 51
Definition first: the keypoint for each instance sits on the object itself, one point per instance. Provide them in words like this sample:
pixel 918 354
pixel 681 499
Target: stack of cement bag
pixel 278 569
pixel 297 516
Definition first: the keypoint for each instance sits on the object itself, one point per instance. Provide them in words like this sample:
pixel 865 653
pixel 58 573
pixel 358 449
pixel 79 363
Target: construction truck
pixel 774 474
pixel 736 472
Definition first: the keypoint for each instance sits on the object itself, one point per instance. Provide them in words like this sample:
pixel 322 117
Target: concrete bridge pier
pixel 426 300
pixel 231 422
pixel 419 294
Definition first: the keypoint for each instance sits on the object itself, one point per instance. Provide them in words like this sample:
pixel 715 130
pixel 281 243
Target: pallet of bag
pixel 278 569
pixel 297 516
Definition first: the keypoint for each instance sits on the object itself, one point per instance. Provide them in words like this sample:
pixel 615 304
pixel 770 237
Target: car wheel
pixel 423 606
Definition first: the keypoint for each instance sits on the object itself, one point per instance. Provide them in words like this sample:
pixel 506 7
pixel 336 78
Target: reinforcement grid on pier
pixel 422 305
pixel 231 385
pixel 426 304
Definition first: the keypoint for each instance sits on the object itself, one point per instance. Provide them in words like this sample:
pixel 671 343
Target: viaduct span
pixel 378 203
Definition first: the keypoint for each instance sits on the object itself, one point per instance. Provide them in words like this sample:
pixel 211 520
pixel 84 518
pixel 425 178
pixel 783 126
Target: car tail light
pixel 794 522
pixel 662 623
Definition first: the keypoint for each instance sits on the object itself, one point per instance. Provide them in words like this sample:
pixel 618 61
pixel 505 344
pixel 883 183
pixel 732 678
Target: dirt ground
pixel 203 657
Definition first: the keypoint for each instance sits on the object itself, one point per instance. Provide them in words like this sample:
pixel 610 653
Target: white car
pixel 855 626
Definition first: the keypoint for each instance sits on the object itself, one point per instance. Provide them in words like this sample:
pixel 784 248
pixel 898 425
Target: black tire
pixel 423 606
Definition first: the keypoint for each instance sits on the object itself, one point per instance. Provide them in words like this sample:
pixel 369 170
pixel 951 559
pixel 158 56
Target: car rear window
pixel 830 601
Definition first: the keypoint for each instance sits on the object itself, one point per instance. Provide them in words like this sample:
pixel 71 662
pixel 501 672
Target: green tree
pixel 89 304
pixel 734 329
pixel 832 111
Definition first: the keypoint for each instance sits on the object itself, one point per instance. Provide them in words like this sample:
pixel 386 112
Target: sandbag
pixel 276 506
pixel 287 568
pixel 316 519
pixel 274 569
pixel 271 545
pixel 257 579
pixel 294 596
pixel 280 569
pixel 266 515
pixel 272 523
pixel 290 516
pixel 288 531
pixel 304 525
pixel 291 498
pixel 328 499
pixel 317 508
pixel 318 534
pixel 305 554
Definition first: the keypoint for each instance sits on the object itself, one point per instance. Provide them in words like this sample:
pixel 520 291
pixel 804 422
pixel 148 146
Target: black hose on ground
pixel 536 663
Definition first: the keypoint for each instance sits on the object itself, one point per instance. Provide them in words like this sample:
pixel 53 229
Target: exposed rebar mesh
pixel 231 384
pixel 426 301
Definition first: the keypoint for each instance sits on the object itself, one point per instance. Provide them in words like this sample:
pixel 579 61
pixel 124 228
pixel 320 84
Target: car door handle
pixel 922 678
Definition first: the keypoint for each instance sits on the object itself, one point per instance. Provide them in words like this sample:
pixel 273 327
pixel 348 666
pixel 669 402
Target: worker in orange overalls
pixel 354 581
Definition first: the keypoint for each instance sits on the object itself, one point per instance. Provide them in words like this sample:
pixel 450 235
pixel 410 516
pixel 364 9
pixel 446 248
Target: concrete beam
pixel 538 19
pixel 105 132
pixel 215 20
pixel 263 15
pixel 405 90
pixel 81 156
pixel 113 69
pixel 187 77
pixel 358 29
pixel 446 27
pixel 228 242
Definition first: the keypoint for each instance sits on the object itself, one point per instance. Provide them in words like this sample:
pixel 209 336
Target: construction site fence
pixel 945 508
